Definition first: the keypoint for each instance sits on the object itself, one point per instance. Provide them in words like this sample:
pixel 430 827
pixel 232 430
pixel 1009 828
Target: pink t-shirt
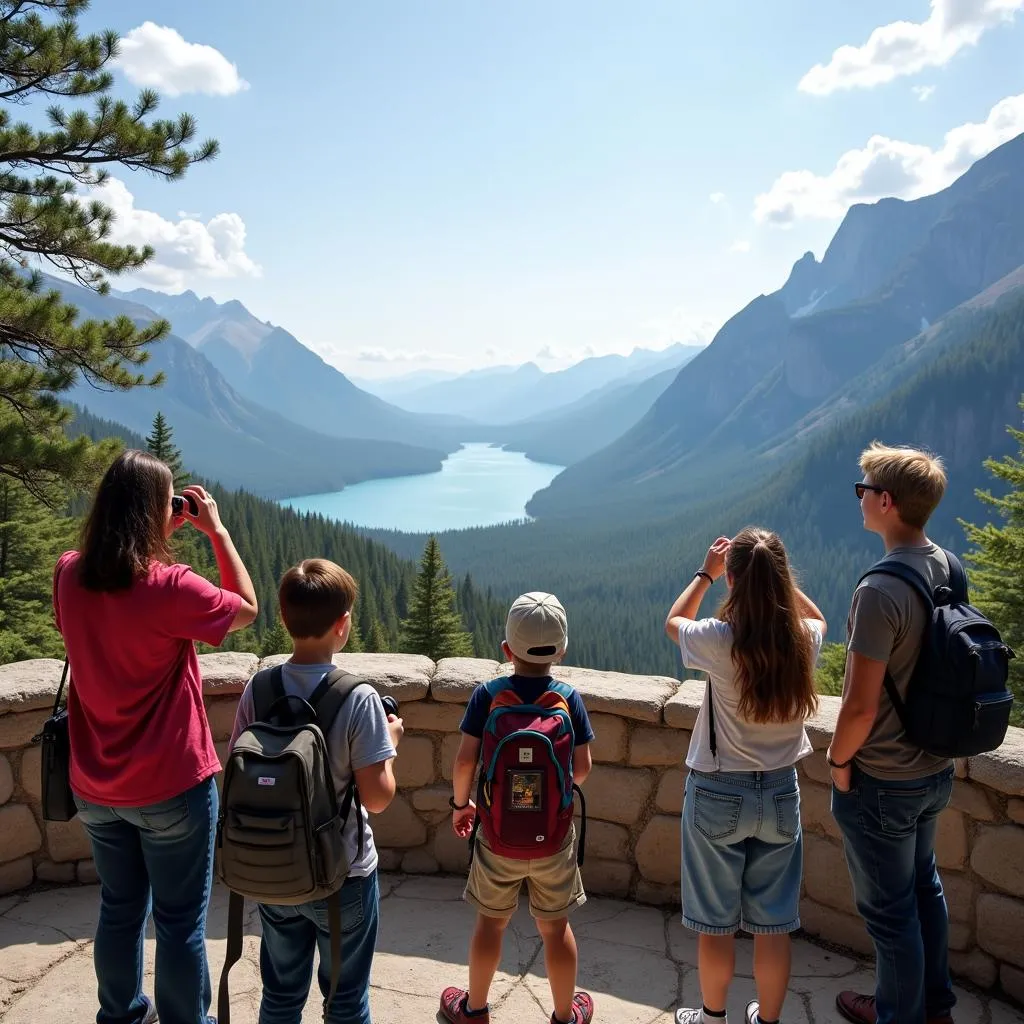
pixel 138 726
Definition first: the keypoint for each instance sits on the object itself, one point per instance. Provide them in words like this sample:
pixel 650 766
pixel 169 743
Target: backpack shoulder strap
pixel 267 687
pixel 330 694
pixel 902 571
pixel 957 578
pixel 564 690
pixel 500 691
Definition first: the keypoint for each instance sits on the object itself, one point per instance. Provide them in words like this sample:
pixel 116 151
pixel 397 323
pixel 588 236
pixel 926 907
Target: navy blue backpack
pixel 957 702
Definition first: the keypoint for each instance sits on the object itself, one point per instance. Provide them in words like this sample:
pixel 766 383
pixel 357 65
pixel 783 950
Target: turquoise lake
pixel 479 485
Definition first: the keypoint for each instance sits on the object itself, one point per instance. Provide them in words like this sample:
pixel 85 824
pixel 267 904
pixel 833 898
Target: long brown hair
pixel 125 530
pixel 771 647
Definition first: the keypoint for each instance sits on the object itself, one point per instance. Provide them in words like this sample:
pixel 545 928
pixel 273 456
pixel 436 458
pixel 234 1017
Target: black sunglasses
pixel 862 488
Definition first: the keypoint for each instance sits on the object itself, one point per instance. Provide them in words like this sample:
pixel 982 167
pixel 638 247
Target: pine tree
pixel 275 640
pixel 160 444
pixel 831 670
pixel 354 644
pixel 44 346
pixel 997 573
pixel 434 627
pixel 378 641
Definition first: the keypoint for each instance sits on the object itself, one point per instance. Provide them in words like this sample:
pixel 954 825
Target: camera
pixel 178 504
pixel 390 705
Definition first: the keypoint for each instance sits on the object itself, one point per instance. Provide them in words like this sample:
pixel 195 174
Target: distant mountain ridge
pixel 892 269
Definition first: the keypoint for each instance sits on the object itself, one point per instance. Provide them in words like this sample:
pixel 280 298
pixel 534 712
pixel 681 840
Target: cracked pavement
pixel 638 962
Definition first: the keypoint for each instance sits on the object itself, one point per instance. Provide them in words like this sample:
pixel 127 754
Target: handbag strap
pixel 60 689
pixel 712 734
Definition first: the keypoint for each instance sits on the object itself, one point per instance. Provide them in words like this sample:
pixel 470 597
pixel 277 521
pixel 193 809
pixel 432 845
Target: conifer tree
pixel 44 346
pixel 275 640
pixel 377 642
pixel 354 644
pixel 997 573
pixel 434 627
pixel 160 444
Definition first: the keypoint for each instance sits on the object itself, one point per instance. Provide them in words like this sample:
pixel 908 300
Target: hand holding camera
pixel 196 506
pixel 714 560
pixel 396 727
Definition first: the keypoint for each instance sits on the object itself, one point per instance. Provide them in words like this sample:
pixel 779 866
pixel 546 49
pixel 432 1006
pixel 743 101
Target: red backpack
pixel 525 793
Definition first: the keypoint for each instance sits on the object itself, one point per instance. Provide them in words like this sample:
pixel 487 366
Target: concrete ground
pixel 639 963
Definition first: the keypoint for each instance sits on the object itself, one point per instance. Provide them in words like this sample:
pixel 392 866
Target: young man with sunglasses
pixel 887 794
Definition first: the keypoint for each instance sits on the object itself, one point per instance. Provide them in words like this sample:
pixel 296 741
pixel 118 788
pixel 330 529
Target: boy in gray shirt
pixel 316 599
pixel 887 793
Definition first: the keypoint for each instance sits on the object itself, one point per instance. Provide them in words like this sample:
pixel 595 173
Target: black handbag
pixel 58 800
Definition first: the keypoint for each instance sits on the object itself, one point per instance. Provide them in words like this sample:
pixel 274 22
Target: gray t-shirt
pixel 887 623
pixel 358 739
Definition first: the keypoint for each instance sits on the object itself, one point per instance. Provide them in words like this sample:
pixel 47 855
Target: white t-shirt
pixel 743 746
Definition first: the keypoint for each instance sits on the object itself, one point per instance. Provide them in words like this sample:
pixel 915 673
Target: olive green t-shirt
pixel 887 623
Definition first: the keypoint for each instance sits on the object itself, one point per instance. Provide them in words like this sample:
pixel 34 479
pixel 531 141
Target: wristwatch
pixel 457 807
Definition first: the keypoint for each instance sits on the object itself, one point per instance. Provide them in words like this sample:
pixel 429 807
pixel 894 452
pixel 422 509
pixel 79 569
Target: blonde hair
pixel 915 479
pixel 771 646
pixel 313 595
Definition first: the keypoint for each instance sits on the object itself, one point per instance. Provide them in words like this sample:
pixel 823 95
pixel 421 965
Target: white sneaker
pixel 753 1009
pixel 690 1016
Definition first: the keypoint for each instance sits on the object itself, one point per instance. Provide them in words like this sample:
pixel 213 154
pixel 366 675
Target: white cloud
pixel 157 57
pixel 907 47
pixel 742 245
pixel 717 197
pixel 678 325
pixel 376 354
pixel 187 250
pixel 888 167
pixel 923 92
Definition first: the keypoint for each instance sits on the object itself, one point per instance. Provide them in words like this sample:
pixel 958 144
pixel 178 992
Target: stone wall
pixel 634 798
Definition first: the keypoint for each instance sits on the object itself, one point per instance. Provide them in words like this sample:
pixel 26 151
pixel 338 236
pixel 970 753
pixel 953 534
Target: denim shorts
pixel 742 852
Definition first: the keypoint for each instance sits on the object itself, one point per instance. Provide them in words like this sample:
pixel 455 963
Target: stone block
pixel 975 966
pixel 29 685
pixel 17 730
pixel 951 840
pixel 822 725
pixel 67 840
pixel 451 852
pixel 640 698
pixel 846 930
pixel 658 850
pixel 655 895
pixel 972 800
pixel 1015 810
pixel 605 840
pixel 389 860
pixel 398 826
pixel 221 716
pixel 432 798
pixel 960 896
pixel 670 791
pixel 226 672
pixel 19 833
pixel 414 765
pixel 6 780
pixel 455 679
pixel 816 809
pixel 826 875
pixel 1003 769
pixel 449 748
pixel 606 877
pixel 683 706
pixel 15 875
pixel 650 745
pixel 47 871
pixel 959 936
pixel 998 857
pixel 609 745
pixel 960 767
pixel 419 862
pixel 1011 980
pixel 406 677
pixel 617 794
pixel 999 926
pixel 428 716
pixel 815 768
pixel 86 872
pixel 30 773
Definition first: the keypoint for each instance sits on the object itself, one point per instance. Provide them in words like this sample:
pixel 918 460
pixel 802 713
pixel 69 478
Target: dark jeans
pixel 889 828
pixel 290 936
pixel 161 854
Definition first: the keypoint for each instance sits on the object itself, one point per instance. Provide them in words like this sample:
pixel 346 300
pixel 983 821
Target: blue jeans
pixel 160 854
pixel 291 934
pixel 742 852
pixel 889 828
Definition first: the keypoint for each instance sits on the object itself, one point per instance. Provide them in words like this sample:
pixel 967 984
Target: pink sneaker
pixel 582 1009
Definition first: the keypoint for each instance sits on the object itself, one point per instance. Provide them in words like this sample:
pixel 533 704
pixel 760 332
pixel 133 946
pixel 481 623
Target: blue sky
pixel 432 183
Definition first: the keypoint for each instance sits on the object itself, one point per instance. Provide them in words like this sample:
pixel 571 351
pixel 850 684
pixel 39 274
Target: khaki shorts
pixel 554 882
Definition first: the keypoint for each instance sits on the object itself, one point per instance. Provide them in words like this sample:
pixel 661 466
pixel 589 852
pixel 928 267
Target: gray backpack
pixel 279 834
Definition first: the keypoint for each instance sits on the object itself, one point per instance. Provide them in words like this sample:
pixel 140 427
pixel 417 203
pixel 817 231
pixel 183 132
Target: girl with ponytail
pixel 742 858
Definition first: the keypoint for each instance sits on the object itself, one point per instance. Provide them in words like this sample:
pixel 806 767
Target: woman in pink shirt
pixel 142 757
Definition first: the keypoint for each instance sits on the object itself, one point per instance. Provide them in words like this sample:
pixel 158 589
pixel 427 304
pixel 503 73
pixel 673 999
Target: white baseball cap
pixel 536 628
